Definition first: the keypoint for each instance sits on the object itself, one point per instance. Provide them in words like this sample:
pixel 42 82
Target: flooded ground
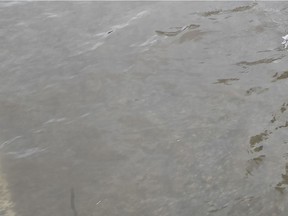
pixel 143 108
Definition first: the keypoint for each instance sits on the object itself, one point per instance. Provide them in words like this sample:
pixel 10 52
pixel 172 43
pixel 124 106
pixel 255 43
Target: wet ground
pixel 143 108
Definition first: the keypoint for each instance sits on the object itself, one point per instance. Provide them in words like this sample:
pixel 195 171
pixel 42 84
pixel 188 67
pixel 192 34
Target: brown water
pixel 119 109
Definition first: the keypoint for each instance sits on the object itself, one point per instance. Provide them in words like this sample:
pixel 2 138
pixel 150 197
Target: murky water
pixel 143 108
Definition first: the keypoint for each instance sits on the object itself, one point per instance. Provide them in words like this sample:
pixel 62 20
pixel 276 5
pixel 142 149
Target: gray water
pixel 143 109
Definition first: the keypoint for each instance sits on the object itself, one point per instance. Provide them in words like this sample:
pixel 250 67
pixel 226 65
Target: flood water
pixel 143 108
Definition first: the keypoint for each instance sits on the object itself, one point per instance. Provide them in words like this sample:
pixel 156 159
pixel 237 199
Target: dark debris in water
pixel 214 209
pixel 243 8
pixel 273 119
pixel 254 163
pixel 219 11
pixel 281 186
pixel 72 202
pixel 264 51
pixel 192 35
pixel 169 34
pixel 283 75
pixel 193 26
pixel 283 107
pixel 180 29
pixel 225 81
pixel 255 90
pixel 258 138
pixel 260 61
pixel 256 147
pixel 282 126
pixel 210 13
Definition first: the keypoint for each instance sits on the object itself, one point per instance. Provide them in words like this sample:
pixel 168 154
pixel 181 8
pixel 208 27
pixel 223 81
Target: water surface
pixel 143 108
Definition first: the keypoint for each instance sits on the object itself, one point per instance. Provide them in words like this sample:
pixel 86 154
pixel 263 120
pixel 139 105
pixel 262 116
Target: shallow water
pixel 143 108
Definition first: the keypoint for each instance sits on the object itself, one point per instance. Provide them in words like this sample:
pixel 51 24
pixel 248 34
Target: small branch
pixel 72 202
